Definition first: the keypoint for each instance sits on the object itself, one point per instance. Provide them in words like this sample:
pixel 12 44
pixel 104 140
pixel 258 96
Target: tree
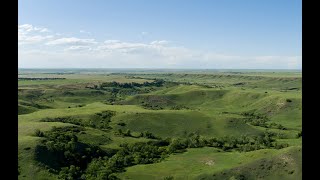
pixel 70 173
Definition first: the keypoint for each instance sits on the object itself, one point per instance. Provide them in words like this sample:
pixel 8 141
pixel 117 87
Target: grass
pixel 196 162
pixel 284 165
pixel 210 105
pixel 74 78
pixel 165 124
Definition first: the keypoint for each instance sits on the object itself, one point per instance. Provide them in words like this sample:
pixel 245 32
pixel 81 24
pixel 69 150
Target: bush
pixel 98 169
pixel 61 151
pixel 168 178
pixel 177 145
pixel 148 135
pixel 121 124
pixel 98 120
pixel 299 134
pixel 119 132
pixel 127 133
pixel 38 133
pixel 71 172
pixel 279 126
pixel 64 154
pixel 280 146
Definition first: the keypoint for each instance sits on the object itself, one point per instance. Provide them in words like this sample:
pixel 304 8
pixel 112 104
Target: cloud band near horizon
pixel 40 47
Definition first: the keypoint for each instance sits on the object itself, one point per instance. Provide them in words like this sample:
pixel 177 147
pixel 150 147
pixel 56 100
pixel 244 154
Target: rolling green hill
pixel 189 126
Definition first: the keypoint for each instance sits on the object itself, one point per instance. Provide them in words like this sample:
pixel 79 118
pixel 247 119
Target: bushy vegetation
pixel 179 107
pixel 128 155
pixel 148 135
pixel 98 120
pixel 242 143
pixel 127 133
pixel 132 88
pixel 257 119
pixel 122 133
pixel 72 159
pixel 121 124
pixel 38 133
pixel 299 134
pixel 36 79
pixel 108 139
pixel 157 83
pixel 152 106
pixel 119 91
pixel 62 153
pixel 276 126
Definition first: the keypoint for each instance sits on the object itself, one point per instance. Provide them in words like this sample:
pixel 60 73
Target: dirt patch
pixel 287 159
pixel 209 162
pixel 281 105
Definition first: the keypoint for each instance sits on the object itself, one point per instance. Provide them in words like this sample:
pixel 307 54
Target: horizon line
pixel 159 68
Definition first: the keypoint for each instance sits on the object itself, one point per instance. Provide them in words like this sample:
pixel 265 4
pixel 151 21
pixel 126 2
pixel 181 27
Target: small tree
pixel 71 172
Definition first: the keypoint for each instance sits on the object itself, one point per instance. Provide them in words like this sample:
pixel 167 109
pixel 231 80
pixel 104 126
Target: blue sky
pixel 263 34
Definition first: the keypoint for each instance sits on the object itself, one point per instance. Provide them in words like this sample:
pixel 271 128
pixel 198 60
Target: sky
pixel 197 34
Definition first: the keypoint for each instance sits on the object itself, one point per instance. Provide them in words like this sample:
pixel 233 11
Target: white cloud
pixel 23 39
pixel 71 41
pixel 29 28
pixel 64 51
pixel 111 41
pixel 162 42
pixel 28 34
pixel 25 27
pixel 85 32
pixel 144 33
pixel 122 45
pixel 41 29
pixel 77 48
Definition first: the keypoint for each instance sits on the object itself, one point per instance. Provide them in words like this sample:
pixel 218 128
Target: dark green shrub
pixel 121 124
pixel 168 178
pixel 299 134
pixel 71 172
pixel 38 133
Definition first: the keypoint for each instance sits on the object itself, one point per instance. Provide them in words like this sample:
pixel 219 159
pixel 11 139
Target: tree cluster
pixel 157 83
pixel 99 120
pixel 62 153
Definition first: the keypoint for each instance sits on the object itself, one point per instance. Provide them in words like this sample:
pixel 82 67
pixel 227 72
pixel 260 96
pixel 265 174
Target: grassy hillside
pixel 209 163
pixel 222 125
